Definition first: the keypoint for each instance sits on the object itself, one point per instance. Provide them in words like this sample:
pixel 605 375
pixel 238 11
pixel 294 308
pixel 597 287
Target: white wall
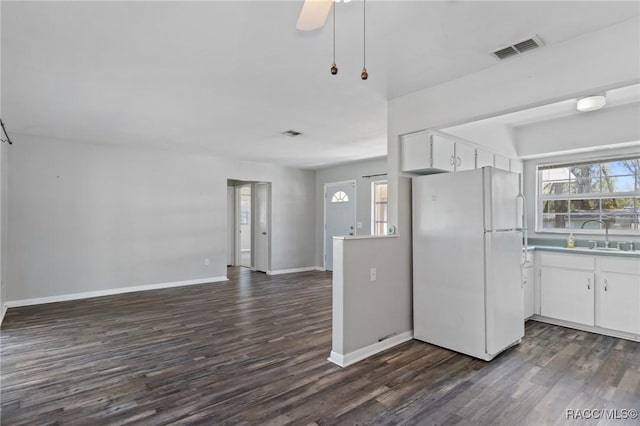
pixel 367 312
pixel 529 182
pixel 498 138
pixel 352 171
pixel 86 217
pixel 610 125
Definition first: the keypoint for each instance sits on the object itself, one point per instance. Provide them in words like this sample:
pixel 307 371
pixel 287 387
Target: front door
pixel 340 215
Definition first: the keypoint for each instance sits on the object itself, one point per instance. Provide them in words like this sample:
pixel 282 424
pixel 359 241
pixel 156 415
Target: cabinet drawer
pixel 622 266
pixel 571 261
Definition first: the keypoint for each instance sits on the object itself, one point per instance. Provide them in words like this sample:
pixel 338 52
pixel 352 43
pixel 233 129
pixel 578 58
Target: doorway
pixel 339 215
pixel 245 228
pixel 249 224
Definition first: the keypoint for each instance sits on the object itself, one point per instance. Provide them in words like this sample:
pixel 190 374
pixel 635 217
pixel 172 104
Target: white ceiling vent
pixel 518 48
pixel 291 133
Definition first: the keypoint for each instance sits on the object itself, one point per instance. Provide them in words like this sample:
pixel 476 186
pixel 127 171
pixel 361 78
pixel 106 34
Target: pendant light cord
pixel 364 33
pixel 334 33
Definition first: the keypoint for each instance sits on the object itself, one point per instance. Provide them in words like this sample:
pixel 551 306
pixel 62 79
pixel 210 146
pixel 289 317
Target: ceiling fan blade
pixel 313 14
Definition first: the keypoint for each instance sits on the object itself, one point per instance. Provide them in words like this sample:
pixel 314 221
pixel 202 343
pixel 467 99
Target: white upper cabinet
pixel 484 158
pixel 465 157
pixel 443 151
pixel 501 162
pixel 416 152
pixel 515 166
pixel 432 151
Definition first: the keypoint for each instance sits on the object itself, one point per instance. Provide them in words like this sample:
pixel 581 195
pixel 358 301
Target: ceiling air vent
pixel 505 53
pixel 291 133
pixel 518 48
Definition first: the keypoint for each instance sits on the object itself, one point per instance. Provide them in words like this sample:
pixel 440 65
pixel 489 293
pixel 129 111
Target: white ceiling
pixel 225 78
pixel 502 131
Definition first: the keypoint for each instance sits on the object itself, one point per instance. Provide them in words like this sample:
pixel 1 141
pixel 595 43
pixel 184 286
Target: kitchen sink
pixel 606 249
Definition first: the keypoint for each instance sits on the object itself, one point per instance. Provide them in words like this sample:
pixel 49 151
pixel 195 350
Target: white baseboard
pixel 109 292
pixel 4 311
pixel 367 351
pixel 588 328
pixel 291 271
pixel 320 268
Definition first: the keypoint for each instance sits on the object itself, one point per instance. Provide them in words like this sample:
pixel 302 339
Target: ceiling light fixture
pixel 591 103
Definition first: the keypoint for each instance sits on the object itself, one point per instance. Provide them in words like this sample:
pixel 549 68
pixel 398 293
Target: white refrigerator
pixel 467 254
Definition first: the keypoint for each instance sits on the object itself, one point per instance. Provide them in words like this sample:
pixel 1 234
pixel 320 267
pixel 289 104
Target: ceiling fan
pixel 314 14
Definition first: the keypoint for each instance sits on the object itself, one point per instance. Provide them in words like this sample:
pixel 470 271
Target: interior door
pixel 262 226
pixel 340 216
pixel 231 226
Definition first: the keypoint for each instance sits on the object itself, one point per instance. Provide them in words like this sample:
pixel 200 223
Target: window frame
pixel 540 197
pixel 374 220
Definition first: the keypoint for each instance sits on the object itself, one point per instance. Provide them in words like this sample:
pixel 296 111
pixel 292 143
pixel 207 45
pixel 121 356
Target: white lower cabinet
pixel 567 294
pixel 598 291
pixel 528 285
pixel 619 302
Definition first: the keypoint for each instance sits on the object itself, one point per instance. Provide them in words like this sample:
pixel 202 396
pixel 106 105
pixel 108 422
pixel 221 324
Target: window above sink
pixel 572 193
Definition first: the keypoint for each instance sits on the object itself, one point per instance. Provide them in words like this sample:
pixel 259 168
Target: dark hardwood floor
pixel 253 350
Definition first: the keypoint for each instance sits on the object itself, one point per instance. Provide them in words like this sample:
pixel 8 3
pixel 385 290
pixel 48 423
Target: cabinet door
pixel 443 153
pixel 501 162
pixel 619 302
pixel 528 284
pixel 484 158
pixel 465 157
pixel 515 166
pixel 416 152
pixel 567 294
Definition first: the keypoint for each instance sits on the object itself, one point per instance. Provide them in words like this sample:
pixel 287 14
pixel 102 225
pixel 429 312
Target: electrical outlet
pixel 373 274
pixel 206 261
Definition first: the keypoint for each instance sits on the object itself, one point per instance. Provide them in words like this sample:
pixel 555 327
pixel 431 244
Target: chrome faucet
pixel 606 230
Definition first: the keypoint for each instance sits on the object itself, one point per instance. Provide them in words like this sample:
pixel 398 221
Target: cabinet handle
pixel 451 160
pixel 605 285
pixel 459 161
pixel 588 283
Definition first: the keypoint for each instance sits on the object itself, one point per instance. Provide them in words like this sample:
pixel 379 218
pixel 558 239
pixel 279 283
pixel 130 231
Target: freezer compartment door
pixel 504 291
pixel 501 190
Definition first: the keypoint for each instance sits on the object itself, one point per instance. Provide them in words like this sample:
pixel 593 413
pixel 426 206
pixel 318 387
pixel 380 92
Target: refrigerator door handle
pixel 525 235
